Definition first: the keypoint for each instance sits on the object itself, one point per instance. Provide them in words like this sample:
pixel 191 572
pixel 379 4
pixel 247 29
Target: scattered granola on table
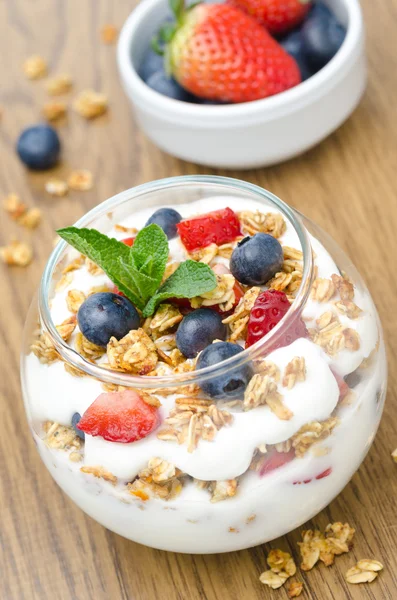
pixel 90 104
pixel 365 571
pixel 17 253
pixel 109 34
pixel 35 67
pixel 56 187
pixel 80 180
pixel 58 85
pixel 53 111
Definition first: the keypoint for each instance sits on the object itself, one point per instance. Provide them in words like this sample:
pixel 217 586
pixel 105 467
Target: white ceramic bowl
pixel 251 134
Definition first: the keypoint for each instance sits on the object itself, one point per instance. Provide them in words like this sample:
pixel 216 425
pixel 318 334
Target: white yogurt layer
pixel 55 395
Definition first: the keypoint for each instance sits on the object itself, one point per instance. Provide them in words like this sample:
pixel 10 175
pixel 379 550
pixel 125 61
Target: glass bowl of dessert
pixel 203 368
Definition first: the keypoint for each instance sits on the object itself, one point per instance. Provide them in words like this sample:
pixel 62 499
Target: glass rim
pixel 71 356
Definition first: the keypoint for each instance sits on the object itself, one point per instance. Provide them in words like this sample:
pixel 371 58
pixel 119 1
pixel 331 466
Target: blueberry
pixel 167 86
pixel 230 384
pixel 104 315
pixel 256 259
pixel 152 63
pixel 197 330
pixel 39 147
pixel 75 421
pixel 322 36
pixel 292 43
pixel 167 219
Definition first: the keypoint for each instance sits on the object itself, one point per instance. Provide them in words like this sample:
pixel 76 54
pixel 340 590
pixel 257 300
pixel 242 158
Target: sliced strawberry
pixel 217 227
pixel 322 475
pixel 274 460
pixel 269 308
pixel 129 241
pixel 120 417
pixel 342 385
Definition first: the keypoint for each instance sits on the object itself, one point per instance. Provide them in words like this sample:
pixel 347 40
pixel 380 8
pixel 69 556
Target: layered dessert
pixel 245 405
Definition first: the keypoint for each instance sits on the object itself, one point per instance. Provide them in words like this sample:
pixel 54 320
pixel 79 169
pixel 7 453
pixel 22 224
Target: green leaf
pixel 149 254
pixel 155 45
pixel 178 8
pixel 190 279
pixel 167 32
pixel 141 284
pixel 106 253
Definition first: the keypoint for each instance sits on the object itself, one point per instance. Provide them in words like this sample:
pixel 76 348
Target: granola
pixel 317 546
pixel 257 222
pixel 312 433
pixel 17 253
pixel 282 567
pixel 109 34
pixel 90 104
pixel 35 67
pixel 61 84
pixel 59 437
pixel 56 187
pixel 80 180
pixel 134 353
pixel 165 318
pixel 14 206
pixel 100 473
pixel 223 295
pixel 87 349
pixel 53 111
pixel 31 218
pixel 295 589
pixel 365 571
pixel 193 419
pixel 160 479
pixel 262 389
pixel 74 300
pixel 394 455
pixel 238 321
pixel 294 371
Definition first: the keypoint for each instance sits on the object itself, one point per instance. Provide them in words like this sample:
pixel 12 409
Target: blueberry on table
pixel 75 421
pixel 39 147
pixel 256 259
pixel 197 330
pixel 322 36
pixel 159 82
pixel 105 315
pixel 151 63
pixel 293 44
pixel 167 219
pixel 228 385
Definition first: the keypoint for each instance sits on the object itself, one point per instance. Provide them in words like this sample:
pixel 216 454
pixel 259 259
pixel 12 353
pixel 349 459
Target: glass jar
pixel 225 473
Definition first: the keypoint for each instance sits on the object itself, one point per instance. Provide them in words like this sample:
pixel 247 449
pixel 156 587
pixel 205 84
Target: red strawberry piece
pixel 269 308
pixel 129 241
pixel 322 475
pixel 220 53
pixel 217 227
pixel 120 417
pixel 278 16
pixel 343 387
pixel 274 460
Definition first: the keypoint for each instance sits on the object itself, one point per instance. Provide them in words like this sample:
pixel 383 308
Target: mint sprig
pixel 190 279
pixel 138 271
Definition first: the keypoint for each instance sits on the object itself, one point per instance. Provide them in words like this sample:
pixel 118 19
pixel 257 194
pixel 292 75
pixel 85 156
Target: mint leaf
pixel 149 254
pixel 106 253
pixel 190 279
pixel 142 285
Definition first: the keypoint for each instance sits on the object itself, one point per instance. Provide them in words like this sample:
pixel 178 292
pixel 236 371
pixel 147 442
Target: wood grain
pixel 48 548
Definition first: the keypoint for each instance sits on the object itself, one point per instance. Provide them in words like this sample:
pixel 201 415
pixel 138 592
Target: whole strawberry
pixel 278 16
pixel 219 53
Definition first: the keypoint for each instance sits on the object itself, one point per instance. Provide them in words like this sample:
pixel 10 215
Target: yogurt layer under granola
pixel 291 409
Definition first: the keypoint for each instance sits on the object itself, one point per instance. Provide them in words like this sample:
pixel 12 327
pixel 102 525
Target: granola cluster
pixel 193 419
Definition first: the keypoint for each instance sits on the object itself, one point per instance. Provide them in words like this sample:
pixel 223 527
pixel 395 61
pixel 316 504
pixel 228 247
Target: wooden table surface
pixel 49 549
